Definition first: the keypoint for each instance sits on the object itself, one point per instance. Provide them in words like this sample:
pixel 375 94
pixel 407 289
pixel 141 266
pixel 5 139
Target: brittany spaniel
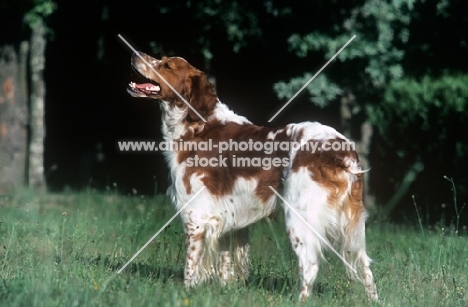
pixel 240 166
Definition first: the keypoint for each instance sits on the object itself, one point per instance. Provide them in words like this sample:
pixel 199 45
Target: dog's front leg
pixel 194 242
pixel 234 256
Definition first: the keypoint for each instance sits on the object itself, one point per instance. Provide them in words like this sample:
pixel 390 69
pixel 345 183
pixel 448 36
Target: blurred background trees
pixel 23 127
pixel 13 117
pixel 399 89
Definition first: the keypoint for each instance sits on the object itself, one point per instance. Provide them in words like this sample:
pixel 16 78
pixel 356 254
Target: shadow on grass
pixel 283 285
pixel 144 270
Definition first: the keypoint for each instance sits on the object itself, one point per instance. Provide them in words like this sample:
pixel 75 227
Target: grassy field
pixel 65 250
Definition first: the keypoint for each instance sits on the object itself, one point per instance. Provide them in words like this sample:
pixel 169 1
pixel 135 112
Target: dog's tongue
pixel 147 86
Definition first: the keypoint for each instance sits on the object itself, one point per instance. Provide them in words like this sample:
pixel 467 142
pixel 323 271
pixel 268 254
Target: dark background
pixel 88 68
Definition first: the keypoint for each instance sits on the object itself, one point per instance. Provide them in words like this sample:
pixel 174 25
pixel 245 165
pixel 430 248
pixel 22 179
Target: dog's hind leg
pixel 354 251
pixel 354 238
pixel 308 251
pixel 307 217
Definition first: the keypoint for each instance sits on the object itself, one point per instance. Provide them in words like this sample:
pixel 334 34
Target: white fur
pixel 224 114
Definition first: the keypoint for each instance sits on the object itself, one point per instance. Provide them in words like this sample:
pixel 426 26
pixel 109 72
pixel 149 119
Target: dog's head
pixel 170 80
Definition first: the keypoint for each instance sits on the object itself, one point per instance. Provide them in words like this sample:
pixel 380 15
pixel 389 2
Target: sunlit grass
pixel 65 250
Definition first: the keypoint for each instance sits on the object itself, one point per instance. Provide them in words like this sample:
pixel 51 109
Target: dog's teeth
pixel 152 88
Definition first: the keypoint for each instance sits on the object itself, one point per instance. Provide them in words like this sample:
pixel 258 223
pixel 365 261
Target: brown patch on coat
pixel 330 170
pixel 220 180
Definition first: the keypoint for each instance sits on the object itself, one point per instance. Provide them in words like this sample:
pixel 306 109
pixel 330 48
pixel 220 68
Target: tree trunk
pixel 363 149
pixel 403 188
pixel 362 143
pixel 13 118
pixel 37 125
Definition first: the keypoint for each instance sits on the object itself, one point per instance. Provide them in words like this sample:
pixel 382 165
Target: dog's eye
pixel 166 65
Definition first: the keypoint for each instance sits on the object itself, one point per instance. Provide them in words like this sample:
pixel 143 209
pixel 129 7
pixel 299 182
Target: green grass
pixel 64 250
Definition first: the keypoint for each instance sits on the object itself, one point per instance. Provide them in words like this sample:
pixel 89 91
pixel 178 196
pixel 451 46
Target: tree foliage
pixel 431 106
pixel 235 21
pixel 40 9
pixel 371 61
pixel 429 102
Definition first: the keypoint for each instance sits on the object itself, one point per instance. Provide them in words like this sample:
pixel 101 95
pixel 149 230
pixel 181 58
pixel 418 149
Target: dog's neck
pixel 174 120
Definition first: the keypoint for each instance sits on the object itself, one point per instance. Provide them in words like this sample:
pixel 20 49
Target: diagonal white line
pixel 162 78
pixel 313 77
pixel 314 231
pixel 159 231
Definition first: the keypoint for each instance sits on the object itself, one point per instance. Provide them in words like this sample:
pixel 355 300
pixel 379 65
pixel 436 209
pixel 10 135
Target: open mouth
pixel 147 89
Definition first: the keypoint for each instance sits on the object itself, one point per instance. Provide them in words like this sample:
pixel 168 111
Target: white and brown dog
pixel 322 188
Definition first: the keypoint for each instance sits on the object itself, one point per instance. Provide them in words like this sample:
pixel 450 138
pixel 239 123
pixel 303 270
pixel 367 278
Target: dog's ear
pixel 202 97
